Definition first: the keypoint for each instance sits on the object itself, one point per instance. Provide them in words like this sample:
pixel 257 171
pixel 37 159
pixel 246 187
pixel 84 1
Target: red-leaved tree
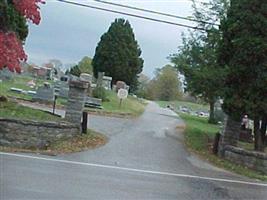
pixel 11 48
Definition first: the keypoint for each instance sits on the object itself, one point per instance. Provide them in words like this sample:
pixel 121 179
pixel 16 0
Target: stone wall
pixel 251 159
pixel 30 134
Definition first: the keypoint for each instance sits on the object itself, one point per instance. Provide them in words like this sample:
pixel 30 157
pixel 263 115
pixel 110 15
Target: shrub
pixel 101 93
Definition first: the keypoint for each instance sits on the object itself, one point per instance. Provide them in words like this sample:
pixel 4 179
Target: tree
pixel 197 57
pixel 75 70
pixel 164 86
pixel 196 60
pixel 143 81
pixel 14 30
pixel 243 52
pixel 168 87
pixel 118 54
pixel 85 65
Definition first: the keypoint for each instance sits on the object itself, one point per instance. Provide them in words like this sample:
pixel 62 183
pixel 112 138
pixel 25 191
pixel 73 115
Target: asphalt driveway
pixel 144 159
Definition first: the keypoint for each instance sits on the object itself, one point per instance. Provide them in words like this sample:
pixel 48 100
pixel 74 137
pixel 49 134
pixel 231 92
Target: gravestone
pixel 99 81
pixel 120 85
pixel 45 94
pixel 76 101
pixel 86 77
pixel 107 80
pixel 92 102
pixel 62 89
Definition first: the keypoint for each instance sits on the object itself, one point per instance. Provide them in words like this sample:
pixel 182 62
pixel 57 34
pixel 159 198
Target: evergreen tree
pixel 243 52
pixel 11 20
pixel 118 54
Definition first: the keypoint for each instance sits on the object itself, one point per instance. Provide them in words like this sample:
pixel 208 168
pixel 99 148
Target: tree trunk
pixel 212 116
pixel 258 143
pixel 263 129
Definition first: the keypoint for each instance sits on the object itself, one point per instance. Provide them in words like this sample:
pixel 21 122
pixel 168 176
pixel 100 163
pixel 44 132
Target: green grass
pixel 16 111
pixel 191 106
pixel 199 133
pixel 20 82
pixel 129 106
pixel 199 136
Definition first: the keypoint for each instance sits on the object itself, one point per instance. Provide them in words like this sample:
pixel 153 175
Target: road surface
pixel 144 159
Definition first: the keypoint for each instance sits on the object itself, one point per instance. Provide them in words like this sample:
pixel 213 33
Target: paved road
pixel 144 159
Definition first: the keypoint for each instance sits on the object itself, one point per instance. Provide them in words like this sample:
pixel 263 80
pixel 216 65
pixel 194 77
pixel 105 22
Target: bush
pixel 101 93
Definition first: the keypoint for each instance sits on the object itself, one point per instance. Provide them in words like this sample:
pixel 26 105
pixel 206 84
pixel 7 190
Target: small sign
pixel 122 94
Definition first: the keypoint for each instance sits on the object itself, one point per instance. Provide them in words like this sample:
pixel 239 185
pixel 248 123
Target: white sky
pixel 69 33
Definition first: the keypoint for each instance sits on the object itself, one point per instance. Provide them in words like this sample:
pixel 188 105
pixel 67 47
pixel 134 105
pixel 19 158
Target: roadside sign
pixel 122 94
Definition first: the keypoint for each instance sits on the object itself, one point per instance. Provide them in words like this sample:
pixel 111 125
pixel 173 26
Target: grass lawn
pixel 20 82
pixel 14 110
pixel 130 106
pixel 191 106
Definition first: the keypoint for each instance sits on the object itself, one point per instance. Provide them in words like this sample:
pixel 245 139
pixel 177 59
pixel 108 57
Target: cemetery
pixel 26 128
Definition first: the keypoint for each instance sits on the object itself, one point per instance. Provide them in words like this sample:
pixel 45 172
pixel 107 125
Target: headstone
pixel 120 85
pixel 45 94
pixel 64 78
pixel 76 101
pixel 62 89
pixel 86 77
pixel 246 136
pixel 93 102
pixel 107 80
pixel 31 84
pixel 99 82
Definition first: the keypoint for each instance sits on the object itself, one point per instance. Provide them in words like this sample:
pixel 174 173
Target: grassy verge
pixel 199 136
pixel 76 144
pixel 129 107
pixel 14 110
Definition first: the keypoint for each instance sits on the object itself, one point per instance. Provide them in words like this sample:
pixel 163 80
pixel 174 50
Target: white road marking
pixel 135 170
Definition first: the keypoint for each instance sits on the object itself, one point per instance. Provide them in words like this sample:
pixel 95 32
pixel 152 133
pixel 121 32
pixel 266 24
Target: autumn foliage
pixel 11 49
pixel 29 9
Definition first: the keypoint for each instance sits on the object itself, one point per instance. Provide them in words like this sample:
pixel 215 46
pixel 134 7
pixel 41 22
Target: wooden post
pixel 120 102
pixel 84 122
pixel 54 105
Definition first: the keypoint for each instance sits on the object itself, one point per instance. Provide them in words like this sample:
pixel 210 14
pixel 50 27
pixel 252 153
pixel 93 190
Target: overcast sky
pixel 69 33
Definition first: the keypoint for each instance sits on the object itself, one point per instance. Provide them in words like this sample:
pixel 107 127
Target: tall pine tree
pixel 244 54
pixel 118 54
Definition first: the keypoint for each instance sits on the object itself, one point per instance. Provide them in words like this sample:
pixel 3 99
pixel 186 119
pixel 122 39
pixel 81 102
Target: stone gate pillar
pixel 229 134
pixel 76 100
